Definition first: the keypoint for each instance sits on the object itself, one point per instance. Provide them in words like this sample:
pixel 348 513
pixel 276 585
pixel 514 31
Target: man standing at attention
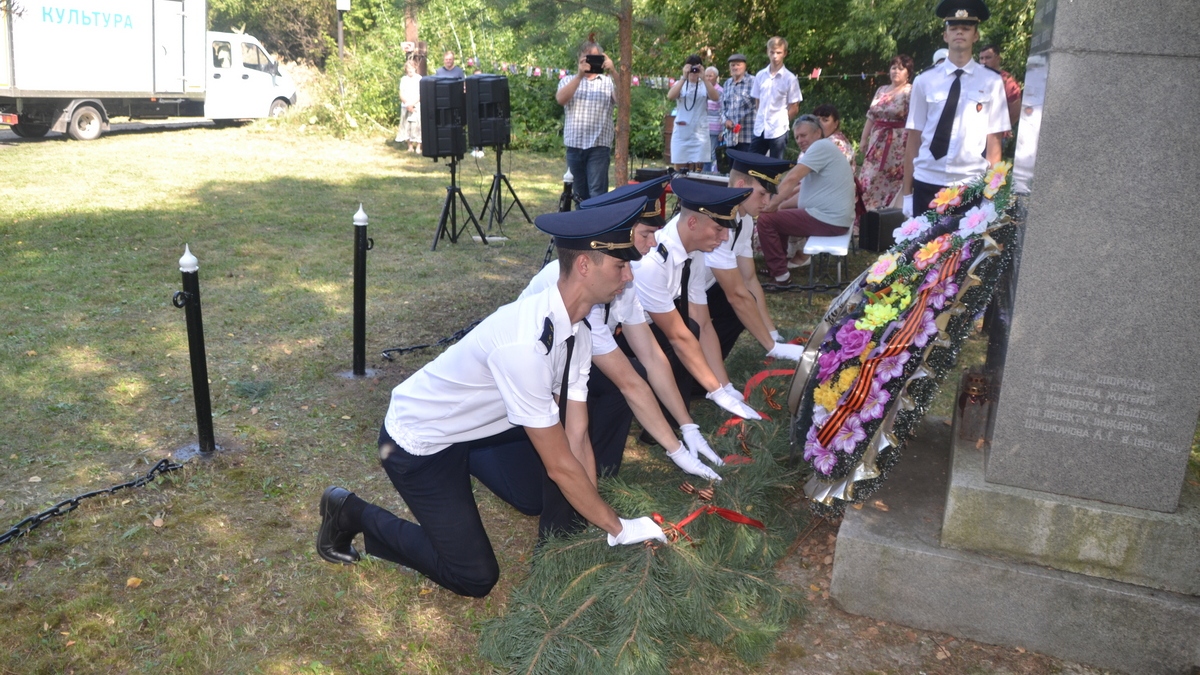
pixel 778 94
pixel 957 111
pixel 737 105
pixel 449 71
pixel 588 99
pixel 516 385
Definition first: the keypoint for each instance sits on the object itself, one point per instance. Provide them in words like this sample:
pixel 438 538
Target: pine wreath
pixel 874 362
pixel 587 607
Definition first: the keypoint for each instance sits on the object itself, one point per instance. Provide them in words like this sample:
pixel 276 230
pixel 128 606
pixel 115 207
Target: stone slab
pixel 1099 398
pixel 1170 27
pixel 889 565
pixel 1136 546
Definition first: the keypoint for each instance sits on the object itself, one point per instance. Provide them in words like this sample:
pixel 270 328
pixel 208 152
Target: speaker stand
pixel 499 182
pixel 448 223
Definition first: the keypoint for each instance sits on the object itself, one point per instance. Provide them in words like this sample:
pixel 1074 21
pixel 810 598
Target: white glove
pixel 727 401
pixel 783 350
pixel 907 208
pixel 776 336
pixel 684 460
pixel 637 530
pixel 733 391
pixel 696 444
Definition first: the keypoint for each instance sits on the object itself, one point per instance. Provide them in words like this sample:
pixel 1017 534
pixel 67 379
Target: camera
pixel 595 63
pixel 694 69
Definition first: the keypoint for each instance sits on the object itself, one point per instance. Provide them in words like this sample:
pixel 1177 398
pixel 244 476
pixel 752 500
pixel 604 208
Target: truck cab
pixel 242 81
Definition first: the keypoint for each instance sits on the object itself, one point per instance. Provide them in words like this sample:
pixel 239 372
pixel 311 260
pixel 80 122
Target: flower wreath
pixel 873 364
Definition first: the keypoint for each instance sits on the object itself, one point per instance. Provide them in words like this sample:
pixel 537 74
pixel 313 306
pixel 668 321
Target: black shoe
pixel 333 543
pixel 646 439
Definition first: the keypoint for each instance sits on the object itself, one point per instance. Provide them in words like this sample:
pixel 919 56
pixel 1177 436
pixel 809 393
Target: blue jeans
pixel 772 147
pixel 590 169
pixel 448 542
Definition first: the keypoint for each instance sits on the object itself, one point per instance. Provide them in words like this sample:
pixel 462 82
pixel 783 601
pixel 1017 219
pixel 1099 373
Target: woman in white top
pixel 689 139
pixel 410 108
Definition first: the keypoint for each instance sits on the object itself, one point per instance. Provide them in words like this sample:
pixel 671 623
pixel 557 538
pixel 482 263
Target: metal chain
pixel 68 505
pixel 390 354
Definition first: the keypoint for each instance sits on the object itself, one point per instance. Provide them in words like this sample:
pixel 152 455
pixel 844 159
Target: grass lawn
pixel 95 388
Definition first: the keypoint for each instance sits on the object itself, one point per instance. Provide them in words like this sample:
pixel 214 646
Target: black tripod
pixel 499 182
pixel 454 194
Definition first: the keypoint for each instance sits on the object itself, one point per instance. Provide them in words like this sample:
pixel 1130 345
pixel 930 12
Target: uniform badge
pixel 662 250
pixel 547 337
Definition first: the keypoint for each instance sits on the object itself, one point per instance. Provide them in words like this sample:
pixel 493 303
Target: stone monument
pixel 1075 532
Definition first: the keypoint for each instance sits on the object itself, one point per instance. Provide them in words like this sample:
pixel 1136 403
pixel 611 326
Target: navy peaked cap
pixel 608 229
pixel 714 201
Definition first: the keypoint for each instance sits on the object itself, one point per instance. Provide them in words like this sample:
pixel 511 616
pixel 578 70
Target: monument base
pixel 891 565
pixel 1122 543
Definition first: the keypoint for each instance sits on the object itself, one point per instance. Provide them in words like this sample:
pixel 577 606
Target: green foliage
pixel 297 30
pixel 591 608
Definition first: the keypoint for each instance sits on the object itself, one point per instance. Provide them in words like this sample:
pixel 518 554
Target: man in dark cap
pixel 495 390
pixel 617 391
pixel 735 298
pixel 737 105
pixel 957 113
pixel 675 269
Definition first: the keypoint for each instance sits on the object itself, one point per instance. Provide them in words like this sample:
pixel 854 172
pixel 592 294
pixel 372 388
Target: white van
pixel 69 66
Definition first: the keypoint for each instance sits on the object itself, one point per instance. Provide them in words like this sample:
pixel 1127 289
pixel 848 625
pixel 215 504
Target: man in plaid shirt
pixel 588 100
pixel 737 106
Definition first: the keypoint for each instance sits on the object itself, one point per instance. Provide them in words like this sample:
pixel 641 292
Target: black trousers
pixel 448 543
pixel 724 319
pixel 923 193
pixel 609 419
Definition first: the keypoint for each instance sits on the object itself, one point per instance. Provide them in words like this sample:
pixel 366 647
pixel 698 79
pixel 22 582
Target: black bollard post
pixel 568 193
pixel 189 300
pixel 362 244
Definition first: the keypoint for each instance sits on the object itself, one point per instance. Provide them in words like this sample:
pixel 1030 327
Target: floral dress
pixel 882 172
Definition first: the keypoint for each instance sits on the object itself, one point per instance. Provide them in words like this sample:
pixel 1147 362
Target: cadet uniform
pixel 767 171
pixel 980 108
pixel 609 416
pixel 471 403
pixel 670 276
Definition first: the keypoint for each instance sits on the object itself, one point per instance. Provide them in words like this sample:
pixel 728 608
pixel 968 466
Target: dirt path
pixel 832 642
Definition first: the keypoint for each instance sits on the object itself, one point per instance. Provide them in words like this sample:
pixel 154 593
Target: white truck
pixel 70 65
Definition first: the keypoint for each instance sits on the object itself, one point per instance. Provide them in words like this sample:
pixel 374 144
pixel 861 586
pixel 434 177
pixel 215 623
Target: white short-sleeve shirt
pixel 982 110
pixel 603 319
pixel 657 277
pixel 775 92
pixel 738 245
pixel 503 374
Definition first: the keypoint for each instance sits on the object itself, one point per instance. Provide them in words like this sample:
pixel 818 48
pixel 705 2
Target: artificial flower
pixel 930 252
pixel 928 327
pixel 891 367
pixel 976 219
pixel 819 415
pixel 995 179
pixel 875 403
pixel 941 291
pixel 910 229
pixel 946 197
pixel 885 265
pixel 876 315
pixel 848 437
pixel 847 378
pixel 826 396
pixel 828 364
pixel 822 459
pixel 852 340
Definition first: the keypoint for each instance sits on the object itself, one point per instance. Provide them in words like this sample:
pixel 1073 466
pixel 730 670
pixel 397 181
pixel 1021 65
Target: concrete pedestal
pixel 892 565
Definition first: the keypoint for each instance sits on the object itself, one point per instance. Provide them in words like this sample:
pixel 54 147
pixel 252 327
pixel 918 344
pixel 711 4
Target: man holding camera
pixel 588 99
